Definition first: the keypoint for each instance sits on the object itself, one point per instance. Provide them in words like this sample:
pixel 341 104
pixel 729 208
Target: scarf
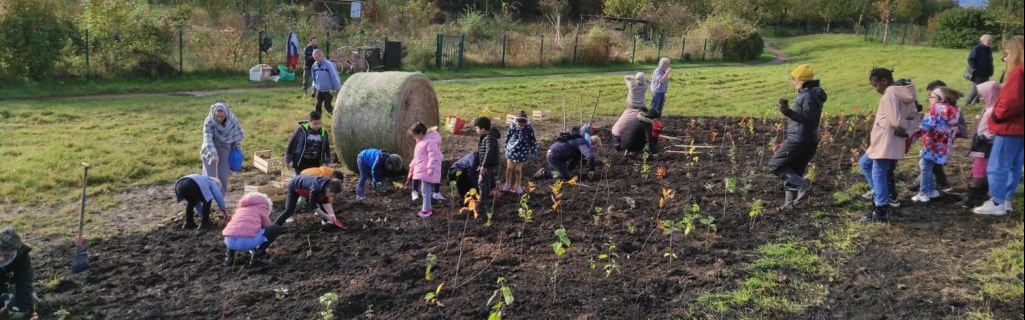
pixel 213 133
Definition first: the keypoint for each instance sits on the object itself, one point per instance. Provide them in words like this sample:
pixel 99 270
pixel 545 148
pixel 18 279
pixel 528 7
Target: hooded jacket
pixel 21 268
pixel 896 111
pixel 626 119
pixel 253 214
pixel 520 143
pixel 640 134
pixel 297 146
pixel 488 150
pixel 310 187
pixel 569 149
pixel 1008 117
pixel 427 155
pixel 806 113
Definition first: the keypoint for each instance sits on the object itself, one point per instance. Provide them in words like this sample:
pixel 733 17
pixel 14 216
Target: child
pixel 320 191
pixel 567 152
pixel 198 191
pixel 373 164
pixel 310 146
pixel 982 144
pixel 464 173
pixel 250 229
pixel 487 157
pixel 519 143
pixel 938 128
pixel 426 164
pixel 15 276
pixel 324 171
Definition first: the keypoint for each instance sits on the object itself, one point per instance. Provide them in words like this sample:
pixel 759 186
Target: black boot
pixel 189 222
pixel 204 222
pixel 877 215
pixel 229 258
pixel 259 257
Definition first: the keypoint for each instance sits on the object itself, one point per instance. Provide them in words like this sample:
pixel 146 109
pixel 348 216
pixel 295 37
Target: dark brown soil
pixel 377 267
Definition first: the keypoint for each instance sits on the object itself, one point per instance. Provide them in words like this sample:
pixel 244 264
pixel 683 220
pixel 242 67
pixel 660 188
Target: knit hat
pixel 394 163
pixel 803 73
pixel 9 240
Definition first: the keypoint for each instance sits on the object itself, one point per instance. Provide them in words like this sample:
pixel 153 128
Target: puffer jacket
pixel 488 150
pixel 805 114
pixel 252 215
pixel 897 104
pixel 427 155
pixel 297 145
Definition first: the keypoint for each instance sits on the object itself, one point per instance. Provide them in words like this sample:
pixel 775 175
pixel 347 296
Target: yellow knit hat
pixel 803 73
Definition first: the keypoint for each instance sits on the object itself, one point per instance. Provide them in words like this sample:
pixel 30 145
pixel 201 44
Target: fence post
pixel 633 54
pixel 437 53
pixel 87 54
pixel 459 64
pixel 704 50
pixel 259 53
pixel 683 47
pixel 905 36
pixel 576 39
pixel 505 41
pixel 541 55
pixel 181 51
pixel 327 43
pixel 658 54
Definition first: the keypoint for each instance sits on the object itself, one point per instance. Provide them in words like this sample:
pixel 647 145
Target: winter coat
pixel 310 187
pixel 640 134
pixel 937 132
pixel 321 171
pixel 805 114
pixel 520 143
pixel 989 93
pixel 375 159
pixel 1008 117
pixel 981 60
pixel 571 149
pixel 636 92
pixel 487 149
pixel 625 120
pixel 897 104
pixel 207 186
pixel 297 145
pixel 253 214
pixel 21 271
pixel 427 155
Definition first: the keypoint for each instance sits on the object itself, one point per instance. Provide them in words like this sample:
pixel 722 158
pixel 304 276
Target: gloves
pixel 784 105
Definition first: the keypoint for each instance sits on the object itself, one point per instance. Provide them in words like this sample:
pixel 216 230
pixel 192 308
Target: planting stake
pixel 79 260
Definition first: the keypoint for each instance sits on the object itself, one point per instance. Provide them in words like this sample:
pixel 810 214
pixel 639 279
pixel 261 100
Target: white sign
pixel 356 11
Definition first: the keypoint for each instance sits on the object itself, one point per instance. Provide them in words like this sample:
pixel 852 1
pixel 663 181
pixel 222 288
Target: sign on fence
pixel 356 10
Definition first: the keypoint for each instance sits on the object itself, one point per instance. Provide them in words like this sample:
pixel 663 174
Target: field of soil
pixel 377 267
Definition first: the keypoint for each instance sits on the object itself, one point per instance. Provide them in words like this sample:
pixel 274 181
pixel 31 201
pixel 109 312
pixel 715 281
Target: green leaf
pixel 603 256
pixel 559 250
pixel 507 294
pixel 495 316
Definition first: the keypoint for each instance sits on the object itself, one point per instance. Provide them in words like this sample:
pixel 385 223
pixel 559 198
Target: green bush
pixel 625 8
pixel 597 46
pixel 739 37
pixel 32 35
pixel 743 49
pixel 126 37
pixel 961 28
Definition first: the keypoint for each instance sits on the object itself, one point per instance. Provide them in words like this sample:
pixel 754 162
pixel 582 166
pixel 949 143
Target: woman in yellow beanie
pixel 791 160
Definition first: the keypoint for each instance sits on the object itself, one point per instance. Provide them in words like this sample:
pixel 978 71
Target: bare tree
pixel 887 8
pixel 554 10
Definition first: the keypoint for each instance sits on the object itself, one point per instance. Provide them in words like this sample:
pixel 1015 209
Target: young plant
pixel 280 293
pixel 327 300
pixel 432 260
pixel 557 194
pixel 660 173
pixel 756 210
pixel 398 185
pixel 731 185
pixel 645 167
pixel 524 211
pixel 562 242
pixel 498 309
pixel 597 214
pixel 631 228
pixel 470 201
pixel 664 200
pixel 487 221
pixel 630 202
pixel 434 298
pixel 62 314
pixel 610 264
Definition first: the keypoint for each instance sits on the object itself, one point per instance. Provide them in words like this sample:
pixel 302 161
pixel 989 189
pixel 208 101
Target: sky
pixel 973 3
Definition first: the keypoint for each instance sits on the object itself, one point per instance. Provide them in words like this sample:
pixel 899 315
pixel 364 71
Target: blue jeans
pixel 364 174
pixel 877 174
pixel 1005 165
pixel 927 184
pixel 425 194
pixel 658 99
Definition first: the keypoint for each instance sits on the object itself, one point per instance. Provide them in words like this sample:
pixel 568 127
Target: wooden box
pixel 265 162
pixel 275 193
pixel 542 115
pixel 510 118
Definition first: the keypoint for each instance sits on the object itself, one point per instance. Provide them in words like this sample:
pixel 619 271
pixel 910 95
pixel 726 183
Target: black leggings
pixel 189 190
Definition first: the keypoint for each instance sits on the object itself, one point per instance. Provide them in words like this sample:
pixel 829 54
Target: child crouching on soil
pixel 250 229
pixel 425 168
pixel 198 190
pixel 373 164
pixel 519 144
pixel 320 191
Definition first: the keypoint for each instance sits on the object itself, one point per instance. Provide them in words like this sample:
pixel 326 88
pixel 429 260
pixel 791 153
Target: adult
pixel 791 160
pixel 325 81
pixel 1008 124
pixel 895 121
pixel 660 84
pixel 310 146
pixel 637 88
pixel 641 134
pixel 16 267
pixel 198 191
pixel 250 229
pixel 221 133
pixel 980 65
pixel 309 60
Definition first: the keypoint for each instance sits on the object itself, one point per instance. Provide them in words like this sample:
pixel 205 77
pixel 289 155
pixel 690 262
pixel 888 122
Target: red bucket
pixel 454 125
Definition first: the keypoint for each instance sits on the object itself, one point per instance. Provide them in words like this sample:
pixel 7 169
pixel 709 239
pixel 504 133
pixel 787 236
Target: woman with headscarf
pixel 221 134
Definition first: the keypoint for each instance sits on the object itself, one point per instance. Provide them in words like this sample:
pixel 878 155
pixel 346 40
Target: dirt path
pixel 781 57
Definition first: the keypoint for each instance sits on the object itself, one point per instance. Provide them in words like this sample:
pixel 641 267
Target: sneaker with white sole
pixel 425 213
pixel 519 190
pixel 437 196
pixel 506 187
pixel 990 209
pixel 933 195
pixel 360 198
pixel 415 195
pixel 1007 206
pixel 920 198
pixel 893 202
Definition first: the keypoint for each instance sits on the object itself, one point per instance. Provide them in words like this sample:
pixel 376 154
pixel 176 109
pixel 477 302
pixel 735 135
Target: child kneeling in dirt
pixel 320 191
pixel 566 153
pixel 373 164
pixel 198 191
pixel 250 228
pixel 16 267
pixel 425 168
pixel 464 173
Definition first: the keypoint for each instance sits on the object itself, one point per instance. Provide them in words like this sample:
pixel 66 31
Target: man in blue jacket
pixel 980 61
pixel 325 81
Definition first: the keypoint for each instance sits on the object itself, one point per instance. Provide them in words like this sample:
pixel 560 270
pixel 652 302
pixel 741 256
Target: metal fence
pixel 899 33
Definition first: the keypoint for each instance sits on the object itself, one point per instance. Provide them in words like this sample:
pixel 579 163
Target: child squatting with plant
pixel 937 133
pixel 519 143
pixel 250 229
pixel 373 164
pixel 425 168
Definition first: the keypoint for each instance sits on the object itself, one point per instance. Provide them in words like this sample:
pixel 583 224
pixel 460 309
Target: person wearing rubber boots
pixel 791 160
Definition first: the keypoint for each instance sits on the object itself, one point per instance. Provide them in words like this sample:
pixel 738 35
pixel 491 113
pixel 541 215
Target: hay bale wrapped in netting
pixel 376 109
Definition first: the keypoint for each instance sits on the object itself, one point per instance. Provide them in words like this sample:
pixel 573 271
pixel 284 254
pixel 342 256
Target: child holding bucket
pixel 519 143
pixel 425 168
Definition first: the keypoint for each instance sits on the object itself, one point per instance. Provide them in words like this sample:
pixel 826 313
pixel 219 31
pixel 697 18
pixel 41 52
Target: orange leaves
pixel 660 173
pixel 470 202
pixel 666 195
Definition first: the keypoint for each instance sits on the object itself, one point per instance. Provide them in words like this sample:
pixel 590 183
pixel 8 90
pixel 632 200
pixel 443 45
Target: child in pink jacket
pixel 250 228
pixel 425 169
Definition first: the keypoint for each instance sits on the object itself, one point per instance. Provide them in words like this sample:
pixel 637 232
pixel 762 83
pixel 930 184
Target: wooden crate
pixel 275 193
pixel 542 115
pixel 510 118
pixel 265 162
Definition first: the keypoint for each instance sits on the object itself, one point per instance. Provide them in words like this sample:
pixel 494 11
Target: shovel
pixel 80 260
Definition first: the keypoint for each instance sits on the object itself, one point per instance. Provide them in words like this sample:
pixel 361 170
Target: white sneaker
pixel 360 198
pixel 438 196
pixel 415 195
pixel 934 194
pixel 506 187
pixel 870 195
pixel 289 220
pixel 920 198
pixel 1007 206
pixel 990 209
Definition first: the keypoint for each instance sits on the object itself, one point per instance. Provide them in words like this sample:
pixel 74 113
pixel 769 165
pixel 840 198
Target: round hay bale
pixel 376 109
